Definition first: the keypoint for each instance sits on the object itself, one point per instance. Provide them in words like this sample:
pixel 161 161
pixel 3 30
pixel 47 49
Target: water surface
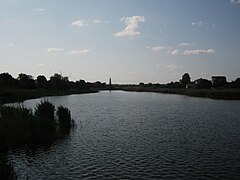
pixel 134 135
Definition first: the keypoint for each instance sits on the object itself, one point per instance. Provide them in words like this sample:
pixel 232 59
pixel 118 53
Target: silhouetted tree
pixel 236 83
pixel 26 81
pixel 141 84
pixel 42 81
pixel 81 84
pixel 6 80
pixel 98 84
pixel 185 79
pixel 57 81
pixel 149 85
pixel 174 85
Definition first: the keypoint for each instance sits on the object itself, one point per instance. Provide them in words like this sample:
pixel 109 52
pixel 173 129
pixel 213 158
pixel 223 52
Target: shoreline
pixel 20 95
pixel 223 94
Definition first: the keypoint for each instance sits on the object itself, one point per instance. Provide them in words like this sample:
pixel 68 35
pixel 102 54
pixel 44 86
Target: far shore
pixel 225 94
pixel 20 95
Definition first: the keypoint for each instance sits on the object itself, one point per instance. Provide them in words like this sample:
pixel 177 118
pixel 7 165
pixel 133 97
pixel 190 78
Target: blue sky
pixel 130 41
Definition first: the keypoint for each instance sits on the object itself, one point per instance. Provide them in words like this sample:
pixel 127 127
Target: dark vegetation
pixel 218 88
pixel 19 126
pixel 6 168
pixel 26 87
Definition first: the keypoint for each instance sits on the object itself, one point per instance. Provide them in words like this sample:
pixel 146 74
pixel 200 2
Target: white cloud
pixel 97 21
pixel 79 23
pixel 158 48
pixel 39 9
pixel 186 44
pixel 198 51
pixel 132 25
pixel 235 1
pixel 199 23
pixel 80 51
pixel 55 49
pixel 174 52
pixel 173 66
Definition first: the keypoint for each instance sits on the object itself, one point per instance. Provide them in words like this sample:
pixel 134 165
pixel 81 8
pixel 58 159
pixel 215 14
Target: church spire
pixel 110 84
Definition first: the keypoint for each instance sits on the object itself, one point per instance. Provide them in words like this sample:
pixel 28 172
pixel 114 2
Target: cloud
pixel 55 49
pixel 80 51
pixel 199 23
pixel 132 25
pixel 198 51
pixel 158 48
pixel 39 9
pixel 79 23
pixel 235 1
pixel 172 66
pixel 174 52
pixel 97 21
pixel 186 44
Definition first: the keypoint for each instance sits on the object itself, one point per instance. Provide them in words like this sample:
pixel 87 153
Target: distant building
pixel 218 81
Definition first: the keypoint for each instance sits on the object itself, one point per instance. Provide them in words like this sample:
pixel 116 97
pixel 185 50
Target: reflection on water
pixel 134 135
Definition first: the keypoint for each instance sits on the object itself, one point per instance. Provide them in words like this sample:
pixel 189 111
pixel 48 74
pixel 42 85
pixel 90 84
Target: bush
pixel 64 117
pixel 45 110
pixel 44 121
pixel 20 125
pixel 15 124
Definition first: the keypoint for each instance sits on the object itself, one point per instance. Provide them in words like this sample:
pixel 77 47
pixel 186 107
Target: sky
pixel 130 41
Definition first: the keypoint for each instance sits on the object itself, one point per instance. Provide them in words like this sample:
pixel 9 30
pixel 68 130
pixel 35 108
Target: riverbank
pixel 19 95
pixel 226 94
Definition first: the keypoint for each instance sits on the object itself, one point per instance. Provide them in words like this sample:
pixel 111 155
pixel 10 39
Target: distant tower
pixel 110 84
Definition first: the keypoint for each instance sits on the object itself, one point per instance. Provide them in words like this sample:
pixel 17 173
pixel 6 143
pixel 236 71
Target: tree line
pixel 57 81
pixel 200 83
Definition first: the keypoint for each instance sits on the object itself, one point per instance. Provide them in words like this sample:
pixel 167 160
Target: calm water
pixel 131 135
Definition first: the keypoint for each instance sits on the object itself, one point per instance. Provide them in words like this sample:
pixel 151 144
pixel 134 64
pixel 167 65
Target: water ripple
pixel 123 135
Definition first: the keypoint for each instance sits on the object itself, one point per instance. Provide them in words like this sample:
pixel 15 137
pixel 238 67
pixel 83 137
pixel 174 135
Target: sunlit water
pixel 132 135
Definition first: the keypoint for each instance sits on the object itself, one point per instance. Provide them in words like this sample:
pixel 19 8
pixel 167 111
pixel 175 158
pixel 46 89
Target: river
pixel 137 135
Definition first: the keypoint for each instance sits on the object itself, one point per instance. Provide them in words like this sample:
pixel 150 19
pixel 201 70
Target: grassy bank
pixel 227 94
pixel 19 95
